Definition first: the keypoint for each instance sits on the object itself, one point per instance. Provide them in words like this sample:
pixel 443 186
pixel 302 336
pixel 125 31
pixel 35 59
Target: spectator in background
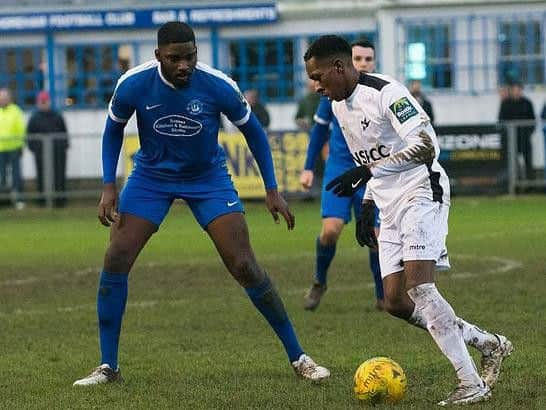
pixel 503 92
pixel 543 117
pixel 518 107
pixel 307 106
pixel 47 123
pixel 414 88
pixel 260 111
pixel 12 139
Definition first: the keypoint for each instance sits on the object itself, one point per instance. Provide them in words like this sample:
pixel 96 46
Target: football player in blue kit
pixel 336 211
pixel 178 102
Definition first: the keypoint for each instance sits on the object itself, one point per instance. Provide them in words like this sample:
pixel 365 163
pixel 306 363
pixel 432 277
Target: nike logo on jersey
pixel 230 204
pixel 151 107
pixel 355 184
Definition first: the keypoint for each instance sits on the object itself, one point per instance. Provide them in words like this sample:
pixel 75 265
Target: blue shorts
pixel 333 206
pixel 208 197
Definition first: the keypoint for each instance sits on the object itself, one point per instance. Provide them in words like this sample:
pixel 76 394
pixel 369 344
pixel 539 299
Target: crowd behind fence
pixel 479 160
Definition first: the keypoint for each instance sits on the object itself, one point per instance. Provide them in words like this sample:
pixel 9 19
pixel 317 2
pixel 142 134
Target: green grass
pixel 191 339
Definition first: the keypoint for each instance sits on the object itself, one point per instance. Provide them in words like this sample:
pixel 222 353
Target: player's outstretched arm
pixel 259 146
pixel 276 204
pixel 112 140
pixel 420 150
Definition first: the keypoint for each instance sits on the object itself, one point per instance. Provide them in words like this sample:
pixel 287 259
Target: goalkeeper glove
pixel 365 226
pixel 351 181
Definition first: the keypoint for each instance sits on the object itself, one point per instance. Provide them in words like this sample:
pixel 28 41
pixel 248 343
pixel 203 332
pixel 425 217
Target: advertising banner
pixel 474 157
pixel 140 18
pixel 287 148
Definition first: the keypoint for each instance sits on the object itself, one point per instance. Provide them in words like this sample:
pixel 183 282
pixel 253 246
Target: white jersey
pixel 386 129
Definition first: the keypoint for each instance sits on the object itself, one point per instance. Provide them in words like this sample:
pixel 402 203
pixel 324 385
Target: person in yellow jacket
pixel 12 139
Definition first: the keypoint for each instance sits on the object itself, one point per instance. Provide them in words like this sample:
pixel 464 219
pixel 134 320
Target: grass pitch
pixel 191 338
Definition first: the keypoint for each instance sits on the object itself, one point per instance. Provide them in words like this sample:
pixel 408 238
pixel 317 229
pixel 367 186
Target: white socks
pixel 442 325
pixel 484 341
pixel 473 336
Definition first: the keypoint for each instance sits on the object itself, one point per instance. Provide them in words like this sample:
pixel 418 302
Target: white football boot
pixel 491 363
pixel 100 375
pixel 306 367
pixel 467 394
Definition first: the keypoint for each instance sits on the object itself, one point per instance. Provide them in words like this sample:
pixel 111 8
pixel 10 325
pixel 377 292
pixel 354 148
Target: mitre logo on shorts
pixel 177 126
pixel 417 247
pixel 403 109
pixel 365 156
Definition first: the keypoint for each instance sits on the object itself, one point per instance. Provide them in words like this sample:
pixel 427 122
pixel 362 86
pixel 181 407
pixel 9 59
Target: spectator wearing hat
pixel 47 124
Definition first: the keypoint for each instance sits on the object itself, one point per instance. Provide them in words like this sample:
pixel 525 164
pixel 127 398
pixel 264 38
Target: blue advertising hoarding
pixel 139 18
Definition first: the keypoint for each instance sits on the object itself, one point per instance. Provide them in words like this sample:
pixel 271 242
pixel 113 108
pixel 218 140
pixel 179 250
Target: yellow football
pixel 380 380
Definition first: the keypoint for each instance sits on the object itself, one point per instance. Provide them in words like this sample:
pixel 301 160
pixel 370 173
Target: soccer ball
pixel 380 380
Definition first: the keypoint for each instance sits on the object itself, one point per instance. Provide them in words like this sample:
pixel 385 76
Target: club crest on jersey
pixel 403 109
pixel 195 107
pixel 177 126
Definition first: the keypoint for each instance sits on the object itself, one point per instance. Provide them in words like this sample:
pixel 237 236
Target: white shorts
pixel 417 231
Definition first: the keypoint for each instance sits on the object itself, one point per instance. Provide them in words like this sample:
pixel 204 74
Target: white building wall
pixel 450 108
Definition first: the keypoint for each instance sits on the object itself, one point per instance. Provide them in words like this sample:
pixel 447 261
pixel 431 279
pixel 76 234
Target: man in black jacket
pixel 47 123
pixel 519 107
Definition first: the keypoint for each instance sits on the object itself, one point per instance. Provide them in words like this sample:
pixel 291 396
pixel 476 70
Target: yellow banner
pixel 131 145
pixel 287 148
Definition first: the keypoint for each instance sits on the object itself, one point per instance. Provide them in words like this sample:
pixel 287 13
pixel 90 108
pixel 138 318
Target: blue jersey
pixel 178 127
pixel 339 152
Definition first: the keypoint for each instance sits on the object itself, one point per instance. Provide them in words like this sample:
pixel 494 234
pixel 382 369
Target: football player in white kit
pixel 395 151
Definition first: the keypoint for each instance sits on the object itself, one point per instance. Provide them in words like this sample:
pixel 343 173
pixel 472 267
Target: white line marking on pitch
pixel 506 265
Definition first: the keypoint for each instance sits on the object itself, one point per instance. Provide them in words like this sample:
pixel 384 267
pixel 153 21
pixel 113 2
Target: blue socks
pixel 268 302
pixel 111 300
pixel 324 255
pixel 376 271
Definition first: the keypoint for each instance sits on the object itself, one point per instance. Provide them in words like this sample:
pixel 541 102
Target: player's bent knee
pixel 119 258
pixel 245 270
pixel 396 306
pixel 329 237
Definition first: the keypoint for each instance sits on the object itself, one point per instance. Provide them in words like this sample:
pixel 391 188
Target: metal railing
pixel 515 163
pixel 84 180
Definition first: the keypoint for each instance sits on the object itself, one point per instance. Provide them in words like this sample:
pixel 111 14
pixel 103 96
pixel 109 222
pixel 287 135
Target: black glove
pixel 365 226
pixel 351 181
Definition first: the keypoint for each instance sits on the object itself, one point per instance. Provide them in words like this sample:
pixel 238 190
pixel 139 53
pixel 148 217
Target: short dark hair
pixel 363 42
pixel 174 32
pixel 328 46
